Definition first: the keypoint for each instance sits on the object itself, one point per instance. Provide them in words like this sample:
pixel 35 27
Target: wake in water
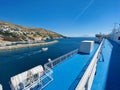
pixel 30 54
pixel 19 56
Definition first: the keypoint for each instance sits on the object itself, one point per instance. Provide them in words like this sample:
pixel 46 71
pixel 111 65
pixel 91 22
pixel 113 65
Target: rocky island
pixel 14 36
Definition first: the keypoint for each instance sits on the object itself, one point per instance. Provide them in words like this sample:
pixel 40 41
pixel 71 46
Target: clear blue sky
pixel 68 17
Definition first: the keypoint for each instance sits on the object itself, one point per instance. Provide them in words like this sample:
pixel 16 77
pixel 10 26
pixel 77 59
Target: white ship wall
pixel 115 36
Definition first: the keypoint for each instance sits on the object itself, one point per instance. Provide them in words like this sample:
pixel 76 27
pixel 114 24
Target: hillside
pixel 12 32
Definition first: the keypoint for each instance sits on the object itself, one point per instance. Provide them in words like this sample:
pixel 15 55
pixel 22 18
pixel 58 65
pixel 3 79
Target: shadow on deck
pixel 113 77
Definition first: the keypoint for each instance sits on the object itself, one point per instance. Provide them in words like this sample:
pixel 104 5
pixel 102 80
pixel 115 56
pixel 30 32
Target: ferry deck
pixel 77 71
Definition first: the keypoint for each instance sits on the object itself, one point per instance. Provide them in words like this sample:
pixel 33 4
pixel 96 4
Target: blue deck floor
pixel 66 72
pixel 108 72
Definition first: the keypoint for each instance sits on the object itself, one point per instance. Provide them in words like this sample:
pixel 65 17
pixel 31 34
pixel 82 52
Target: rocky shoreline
pixel 26 45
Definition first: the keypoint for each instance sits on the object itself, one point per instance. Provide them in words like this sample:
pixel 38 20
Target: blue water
pixel 13 62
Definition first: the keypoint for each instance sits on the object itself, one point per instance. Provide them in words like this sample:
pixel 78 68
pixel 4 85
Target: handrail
pixel 38 81
pixel 48 66
pixel 58 60
pixel 86 75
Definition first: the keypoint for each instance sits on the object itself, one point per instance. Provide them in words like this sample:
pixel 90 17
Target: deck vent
pixel 86 46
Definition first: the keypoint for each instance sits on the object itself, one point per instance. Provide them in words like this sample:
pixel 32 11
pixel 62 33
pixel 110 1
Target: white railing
pixel 39 81
pixel 48 73
pixel 87 77
pixel 56 61
pixel 52 63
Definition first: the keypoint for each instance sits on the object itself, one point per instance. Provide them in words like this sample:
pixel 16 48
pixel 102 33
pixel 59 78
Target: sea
pixel 13 62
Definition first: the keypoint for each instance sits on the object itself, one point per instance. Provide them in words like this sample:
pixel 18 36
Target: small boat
pixel 44 49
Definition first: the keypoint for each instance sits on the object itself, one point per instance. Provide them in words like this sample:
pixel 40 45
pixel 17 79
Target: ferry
pixel 93 66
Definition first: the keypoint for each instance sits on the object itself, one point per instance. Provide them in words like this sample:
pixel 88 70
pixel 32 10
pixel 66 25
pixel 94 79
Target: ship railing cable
pixel 52 63
pixel 41 82
pixel 35 80
pixel 58 60
pixel 38 82
pixel 83 83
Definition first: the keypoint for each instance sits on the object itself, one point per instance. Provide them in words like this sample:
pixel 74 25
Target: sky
pixel 68 17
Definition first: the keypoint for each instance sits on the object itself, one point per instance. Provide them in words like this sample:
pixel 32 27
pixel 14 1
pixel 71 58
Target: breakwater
pixel 26 45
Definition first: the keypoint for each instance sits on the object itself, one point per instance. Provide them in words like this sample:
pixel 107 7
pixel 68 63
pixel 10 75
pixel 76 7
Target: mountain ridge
pixel 14 32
